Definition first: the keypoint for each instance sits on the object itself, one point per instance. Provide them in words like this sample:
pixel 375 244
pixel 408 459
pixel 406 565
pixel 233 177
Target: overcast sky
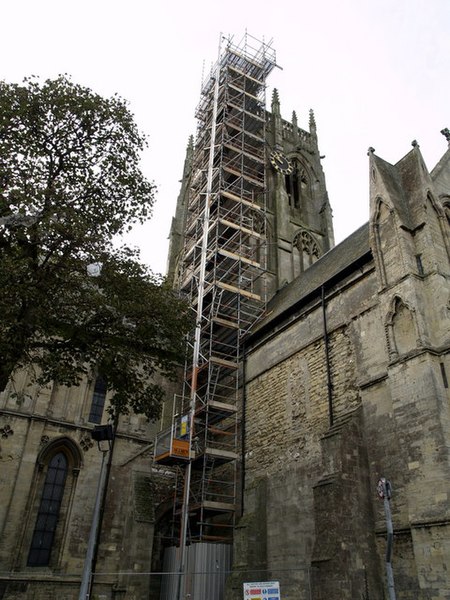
pixel 375 72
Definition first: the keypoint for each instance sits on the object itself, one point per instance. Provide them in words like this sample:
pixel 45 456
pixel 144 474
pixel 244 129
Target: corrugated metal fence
pixel 207 566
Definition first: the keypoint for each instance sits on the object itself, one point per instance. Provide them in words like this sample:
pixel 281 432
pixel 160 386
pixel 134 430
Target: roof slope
pixel 392 181
pixel 328 267
pixel 441 175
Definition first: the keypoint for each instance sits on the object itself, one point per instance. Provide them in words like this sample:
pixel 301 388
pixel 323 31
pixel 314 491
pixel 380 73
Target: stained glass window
pixel 98 400
pixel 47 518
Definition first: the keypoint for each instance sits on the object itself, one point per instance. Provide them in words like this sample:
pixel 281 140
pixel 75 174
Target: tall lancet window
pixel 446 204
pixel 49 504
pixel 98 400
pixel 297 187
pixel 48 513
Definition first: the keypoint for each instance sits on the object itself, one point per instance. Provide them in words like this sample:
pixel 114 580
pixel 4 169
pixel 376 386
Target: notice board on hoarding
pixel 262 590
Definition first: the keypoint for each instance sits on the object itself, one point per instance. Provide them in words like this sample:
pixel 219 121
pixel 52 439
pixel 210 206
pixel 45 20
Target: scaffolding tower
pixel 222 274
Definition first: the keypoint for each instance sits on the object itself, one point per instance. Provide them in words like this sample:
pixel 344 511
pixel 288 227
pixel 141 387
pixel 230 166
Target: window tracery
pixel 51 497
pixel 48 513
pixel 297 185
pixel 305 242
pixel 446 206
pixel 305 251
pixel 98 400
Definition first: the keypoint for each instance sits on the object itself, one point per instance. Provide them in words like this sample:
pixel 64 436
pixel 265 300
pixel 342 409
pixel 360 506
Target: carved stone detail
pixel 446 133
pixel 6 431
pixel 306 243
pixel 86 442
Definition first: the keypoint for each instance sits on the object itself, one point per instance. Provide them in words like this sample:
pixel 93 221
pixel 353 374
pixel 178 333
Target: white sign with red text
pixel 262 590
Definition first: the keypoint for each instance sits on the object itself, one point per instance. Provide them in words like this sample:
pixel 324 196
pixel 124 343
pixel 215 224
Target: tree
pixel 70 183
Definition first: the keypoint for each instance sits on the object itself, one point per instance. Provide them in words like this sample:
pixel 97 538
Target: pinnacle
pixel 446 133
pixel 312 120
pixel 275 96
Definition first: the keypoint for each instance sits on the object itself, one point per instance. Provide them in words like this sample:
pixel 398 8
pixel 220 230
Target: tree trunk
pixel 7 366
pixel 5 374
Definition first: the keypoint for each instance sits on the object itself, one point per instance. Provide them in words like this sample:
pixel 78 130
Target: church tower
pixel 252 214
pixel 300 228
pixel 176 238
pixel 218 260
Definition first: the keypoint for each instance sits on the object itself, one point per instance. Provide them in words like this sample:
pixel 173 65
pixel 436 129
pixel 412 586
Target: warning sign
pixel 262 590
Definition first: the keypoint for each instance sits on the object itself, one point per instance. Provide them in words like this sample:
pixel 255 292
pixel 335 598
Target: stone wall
pixel 312 518
pixel 33 420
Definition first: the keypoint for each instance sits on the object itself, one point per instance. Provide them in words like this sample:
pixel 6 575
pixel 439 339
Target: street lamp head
pixel 102 433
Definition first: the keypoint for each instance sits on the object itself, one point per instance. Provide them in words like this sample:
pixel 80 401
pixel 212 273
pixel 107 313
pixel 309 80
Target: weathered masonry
pixel 344 376
pixel 347 381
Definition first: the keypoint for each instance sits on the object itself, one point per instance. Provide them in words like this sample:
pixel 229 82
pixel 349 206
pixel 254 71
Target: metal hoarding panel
pixel 209 565
pixel 207 568
pixel 169 582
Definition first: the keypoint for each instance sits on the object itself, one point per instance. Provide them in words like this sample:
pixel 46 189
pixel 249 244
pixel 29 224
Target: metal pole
pixel 111 438
pixel 384 491
pixel 87 568
pixel 327 360
pixel 197 339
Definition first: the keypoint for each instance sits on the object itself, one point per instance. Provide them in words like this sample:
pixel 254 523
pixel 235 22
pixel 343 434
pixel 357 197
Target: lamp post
pixel 100 433
pixel 384 490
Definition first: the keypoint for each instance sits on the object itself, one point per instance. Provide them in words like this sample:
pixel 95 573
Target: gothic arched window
pixel 45 524
pixel 98 400
pixel 401 328
pixel 446 206
pixel 306 251
pixel 48 513
pixel 385 234
pixel 297 186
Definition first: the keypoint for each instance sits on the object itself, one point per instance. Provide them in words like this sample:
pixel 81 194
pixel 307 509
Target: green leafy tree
pixel 70 183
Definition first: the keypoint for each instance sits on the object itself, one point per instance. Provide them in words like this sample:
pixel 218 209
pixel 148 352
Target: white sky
pixel 376 73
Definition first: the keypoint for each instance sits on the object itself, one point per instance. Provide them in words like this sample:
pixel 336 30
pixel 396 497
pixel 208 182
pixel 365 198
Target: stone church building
pixel 344 381
pixel 49 474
